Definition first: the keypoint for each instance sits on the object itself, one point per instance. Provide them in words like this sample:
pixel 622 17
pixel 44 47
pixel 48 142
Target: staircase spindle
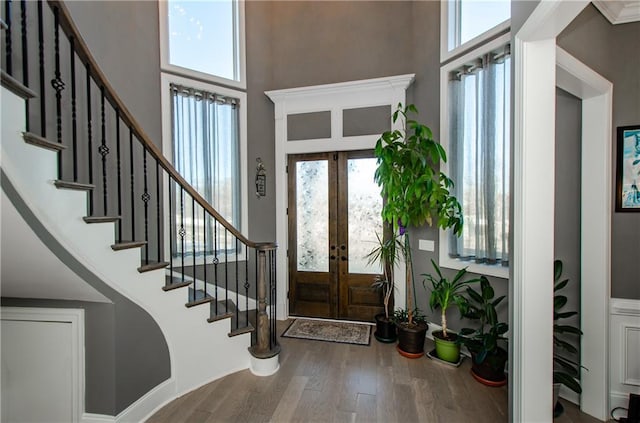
pixel 8 46
pixel 204 247
pixel 193 235
pixel 133 186
pixel 74 126
pixel 246 283
pixel 145 198
pixel 226 266
pixel 103 150
pixel 57 83
pixel 43 109
pixel 171 218
pixel 25 56
pixel 182 232
pixel 215 261
pixel 273 300
pixel 158 211
pixel 119 169
pixel 89 134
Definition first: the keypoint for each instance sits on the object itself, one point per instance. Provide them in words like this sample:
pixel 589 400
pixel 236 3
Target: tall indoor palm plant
pixel 415 190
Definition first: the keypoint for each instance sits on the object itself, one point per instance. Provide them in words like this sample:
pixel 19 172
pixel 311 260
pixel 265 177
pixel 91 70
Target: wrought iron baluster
pixel 74 126
pixel 25 56
pixel 145 198
pixel 226 266
pixel 119 169
pixel 57 84
pixel 103 150
pixel 8 42
pixel 182 231
pixel 43 109
pixel 158 243
pixel 237 287
pixel 215 262
pixel 89 133
pixel 246 283
pixel 133 187
pixel 193 243
pixel 171 234
pixel 204 247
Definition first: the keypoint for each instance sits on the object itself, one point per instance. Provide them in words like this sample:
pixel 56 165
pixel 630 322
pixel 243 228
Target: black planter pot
pixel 385 329
pixel 411 339
pixel 491 371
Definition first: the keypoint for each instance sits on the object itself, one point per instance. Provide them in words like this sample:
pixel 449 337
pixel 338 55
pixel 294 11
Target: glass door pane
pixel 364 205
pixel 312 207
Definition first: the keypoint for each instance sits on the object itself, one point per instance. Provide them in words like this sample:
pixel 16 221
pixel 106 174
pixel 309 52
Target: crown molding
pixel 618 11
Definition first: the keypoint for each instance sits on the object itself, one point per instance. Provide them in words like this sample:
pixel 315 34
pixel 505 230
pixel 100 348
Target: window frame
pixel 166 80
pixel 166 66
pixel 445 261
pixel 448 31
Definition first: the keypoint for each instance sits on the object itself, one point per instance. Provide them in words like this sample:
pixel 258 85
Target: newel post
pixel 264 354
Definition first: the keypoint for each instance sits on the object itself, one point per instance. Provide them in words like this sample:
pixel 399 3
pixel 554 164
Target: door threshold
pixel 323 319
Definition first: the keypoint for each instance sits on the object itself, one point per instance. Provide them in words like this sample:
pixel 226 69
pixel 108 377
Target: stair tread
pixel 197 297
pixel 241 330
pixel 100 219
pixel 16 86
pixel 37 140
pixel 172 282
pixel 225 310
pixel 152 265
pixel 73 185
pixel 125 245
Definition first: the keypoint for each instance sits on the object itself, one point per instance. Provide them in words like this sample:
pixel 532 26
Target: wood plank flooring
pixel 328 382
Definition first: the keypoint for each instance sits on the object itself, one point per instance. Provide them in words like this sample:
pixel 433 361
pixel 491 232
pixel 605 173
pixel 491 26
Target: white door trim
pixel 533 202
pixel 67 315
pixel 320 98
pixel 596 94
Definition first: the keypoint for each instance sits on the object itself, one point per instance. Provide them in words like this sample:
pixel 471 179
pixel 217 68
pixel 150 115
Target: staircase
pixel 104 190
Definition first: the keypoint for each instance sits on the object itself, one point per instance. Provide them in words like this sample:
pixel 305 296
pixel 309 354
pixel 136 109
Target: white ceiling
pixel 619 11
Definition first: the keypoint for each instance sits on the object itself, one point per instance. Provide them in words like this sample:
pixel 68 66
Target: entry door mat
pixel 330 331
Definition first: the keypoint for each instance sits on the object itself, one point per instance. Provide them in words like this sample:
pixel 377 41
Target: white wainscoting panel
pixel 624 370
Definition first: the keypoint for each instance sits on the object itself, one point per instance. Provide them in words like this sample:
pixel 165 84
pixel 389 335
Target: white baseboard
pixel 97 418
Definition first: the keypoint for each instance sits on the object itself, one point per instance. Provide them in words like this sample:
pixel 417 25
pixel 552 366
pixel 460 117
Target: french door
pixel 334 215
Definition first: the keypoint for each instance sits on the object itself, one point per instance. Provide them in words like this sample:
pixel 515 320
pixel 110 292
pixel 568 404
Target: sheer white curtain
pixel 479 156
pixel 206 153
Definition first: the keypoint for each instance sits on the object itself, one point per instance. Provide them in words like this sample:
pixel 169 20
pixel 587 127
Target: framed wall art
pixel 628 169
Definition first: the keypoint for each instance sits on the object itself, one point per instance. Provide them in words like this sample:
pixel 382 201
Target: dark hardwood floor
pixel 328 382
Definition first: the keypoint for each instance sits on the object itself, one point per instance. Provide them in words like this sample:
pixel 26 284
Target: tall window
pixel 475 120
pixel 479 134
pixel 466 23
pixel 204 39
pixel 206 152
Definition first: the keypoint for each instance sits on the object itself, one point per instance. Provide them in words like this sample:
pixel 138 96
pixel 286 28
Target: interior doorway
pixel 334 216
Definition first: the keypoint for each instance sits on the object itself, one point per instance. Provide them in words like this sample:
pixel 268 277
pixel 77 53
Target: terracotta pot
pixel 446 348
pixel 491 371
pixel 411 339
pixel 385 329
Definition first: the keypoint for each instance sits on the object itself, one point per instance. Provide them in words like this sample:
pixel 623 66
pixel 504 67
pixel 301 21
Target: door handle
pixel 343 258
pixel 333 257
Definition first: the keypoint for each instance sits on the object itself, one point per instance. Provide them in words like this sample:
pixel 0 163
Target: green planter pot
pixel 446 349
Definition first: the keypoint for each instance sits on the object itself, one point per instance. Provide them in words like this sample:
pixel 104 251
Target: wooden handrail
pixel 83 52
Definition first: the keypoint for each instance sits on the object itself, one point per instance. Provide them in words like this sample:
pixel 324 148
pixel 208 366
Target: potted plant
pixel 488 358
pixel 444 293
pixel 410 337
pixel 415 193
pixel 565 371
pixel 386 254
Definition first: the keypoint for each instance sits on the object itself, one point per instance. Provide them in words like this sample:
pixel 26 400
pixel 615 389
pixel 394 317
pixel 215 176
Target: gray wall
pixel 614 52
pixel 119 32
pixel 568 196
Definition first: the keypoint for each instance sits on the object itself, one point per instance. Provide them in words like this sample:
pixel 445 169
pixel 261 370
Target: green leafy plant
pixel 483 342
pixel 414 189
pixel 402 316
pixel 385 253
pixel 566 372
pixel 445 292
